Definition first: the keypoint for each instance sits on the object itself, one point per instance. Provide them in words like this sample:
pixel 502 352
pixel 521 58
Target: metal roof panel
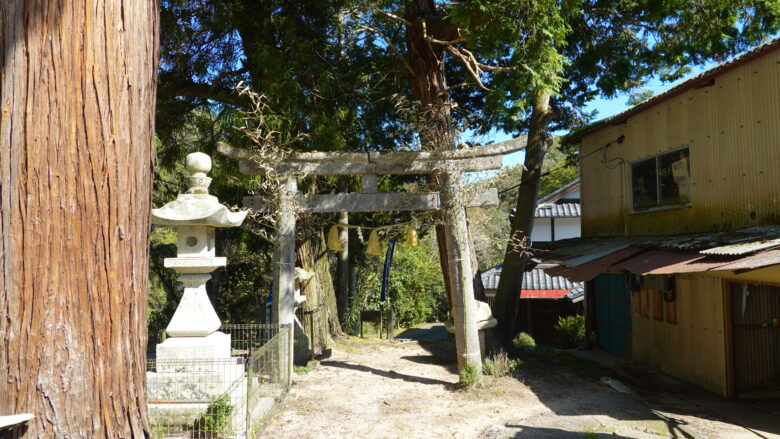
pixel 742 248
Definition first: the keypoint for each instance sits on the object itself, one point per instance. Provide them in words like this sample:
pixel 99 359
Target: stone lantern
pixel 194 216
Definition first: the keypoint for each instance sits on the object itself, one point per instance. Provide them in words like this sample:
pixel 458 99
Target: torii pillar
pixel 284 271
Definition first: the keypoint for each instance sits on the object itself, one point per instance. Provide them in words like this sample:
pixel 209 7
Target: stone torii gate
pixel 451 199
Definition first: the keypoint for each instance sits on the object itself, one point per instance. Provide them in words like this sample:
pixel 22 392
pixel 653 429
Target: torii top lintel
pixel 479 158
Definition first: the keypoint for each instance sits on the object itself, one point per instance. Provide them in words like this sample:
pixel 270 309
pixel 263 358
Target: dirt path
pixel 407 389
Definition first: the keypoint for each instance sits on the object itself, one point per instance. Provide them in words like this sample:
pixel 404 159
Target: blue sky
pixel 605 107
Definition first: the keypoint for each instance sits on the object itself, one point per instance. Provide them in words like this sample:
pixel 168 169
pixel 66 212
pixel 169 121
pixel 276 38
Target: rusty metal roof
pixel 666 262
pixel 577 251
pixel 747 249
pixel 591 269
pixel 764 259
pixel 710 243
pixel 742 248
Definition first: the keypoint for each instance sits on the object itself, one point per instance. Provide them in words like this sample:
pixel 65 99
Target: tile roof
pixel 563 210
pixel 553 196
pixel 536 280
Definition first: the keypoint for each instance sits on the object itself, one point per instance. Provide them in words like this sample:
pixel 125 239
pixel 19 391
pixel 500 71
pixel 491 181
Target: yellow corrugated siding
pixel 733 131
pixel 694 349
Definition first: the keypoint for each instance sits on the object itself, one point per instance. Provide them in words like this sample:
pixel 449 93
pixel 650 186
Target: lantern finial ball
pixel 198 162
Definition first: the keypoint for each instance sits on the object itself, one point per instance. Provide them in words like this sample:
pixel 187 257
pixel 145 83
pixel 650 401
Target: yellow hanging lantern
pixel 411 234
pixel 333 239
pixel 374 248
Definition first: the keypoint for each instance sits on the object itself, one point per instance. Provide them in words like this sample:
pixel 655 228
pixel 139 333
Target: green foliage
pixel 302 369
pixel 416 286
pixel 499 365
pixel 326 76
pixel 158 430
pixel 571 330
pixel 523 340
pixel 490 227
pixel 469 376
pixel 215 422
pixel 164 288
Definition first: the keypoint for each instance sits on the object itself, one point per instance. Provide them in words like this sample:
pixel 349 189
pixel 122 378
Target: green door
pixel 613 312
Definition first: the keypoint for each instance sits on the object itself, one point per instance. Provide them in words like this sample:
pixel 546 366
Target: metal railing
pixel 221 398
pixel 244 337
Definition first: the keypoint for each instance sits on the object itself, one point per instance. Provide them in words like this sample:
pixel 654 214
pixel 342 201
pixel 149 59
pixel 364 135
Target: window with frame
pixel 662 181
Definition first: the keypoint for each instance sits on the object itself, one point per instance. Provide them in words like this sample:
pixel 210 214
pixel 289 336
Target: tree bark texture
pixel 510 284
pixel 77 103
pixel 319 291
pixel 429 85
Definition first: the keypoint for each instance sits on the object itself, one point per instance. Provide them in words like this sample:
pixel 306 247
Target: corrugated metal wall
pixel 693 349
pixel 756 339
pixel 733 131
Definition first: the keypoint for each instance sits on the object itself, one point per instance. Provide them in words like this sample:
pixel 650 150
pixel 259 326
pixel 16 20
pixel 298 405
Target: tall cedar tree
pixel 528 66
pixel 316 81
pixel 77 129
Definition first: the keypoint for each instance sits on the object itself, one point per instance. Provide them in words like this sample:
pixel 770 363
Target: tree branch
pixel 393 16
pixel 222 95
pixel 392 46
pixel 453 50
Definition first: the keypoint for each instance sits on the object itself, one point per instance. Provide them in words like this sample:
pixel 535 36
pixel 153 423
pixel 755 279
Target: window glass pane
pixel 674 177
pixel 644 185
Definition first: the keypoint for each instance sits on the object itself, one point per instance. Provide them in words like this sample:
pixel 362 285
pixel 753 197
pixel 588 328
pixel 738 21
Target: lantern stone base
pixel 195 316
pixel 215 345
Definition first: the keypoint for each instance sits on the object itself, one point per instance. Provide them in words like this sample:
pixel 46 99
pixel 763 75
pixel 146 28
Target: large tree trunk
pixel 76 129
pixel 323 321
pixel 515 258
pixel 429 85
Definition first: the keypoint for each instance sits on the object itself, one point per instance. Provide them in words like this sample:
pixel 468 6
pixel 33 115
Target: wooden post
pixel 464 306
pixel 284 269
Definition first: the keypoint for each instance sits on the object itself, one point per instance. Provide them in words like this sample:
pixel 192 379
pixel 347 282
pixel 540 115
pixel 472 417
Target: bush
pixel 523 340
pixel 571 330
pixel 469 376
pixel 499 365
pixel 215 422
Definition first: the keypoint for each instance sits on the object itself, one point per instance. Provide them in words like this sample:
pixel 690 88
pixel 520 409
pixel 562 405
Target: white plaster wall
pixel 541 230
pixel 564 228
pixel 567 228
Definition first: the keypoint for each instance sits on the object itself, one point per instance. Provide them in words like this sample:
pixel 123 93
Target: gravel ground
pixel 408 389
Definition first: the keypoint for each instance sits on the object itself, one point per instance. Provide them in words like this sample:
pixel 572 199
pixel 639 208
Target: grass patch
pixel 499 365
pixel 302 369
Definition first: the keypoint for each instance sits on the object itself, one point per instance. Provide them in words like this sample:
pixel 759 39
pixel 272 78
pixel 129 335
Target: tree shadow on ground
pixel 388 374
pixel 569 386
pixel 529 432
pixel 442 353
